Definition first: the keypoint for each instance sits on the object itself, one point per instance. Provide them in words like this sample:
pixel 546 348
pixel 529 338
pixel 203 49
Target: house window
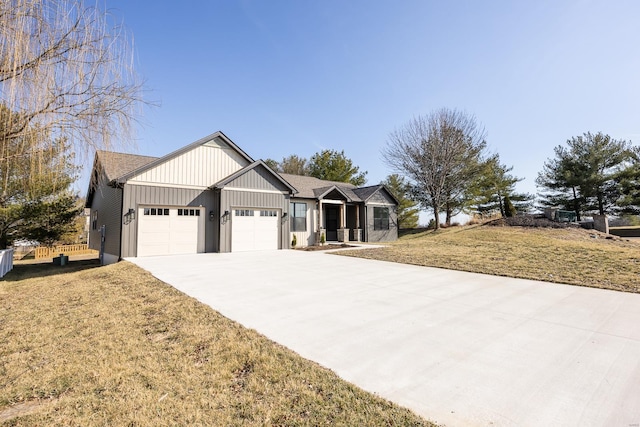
pixel 94 220
pixel 380 218
pixel 268 213
pixel 244 212
pixel 298 217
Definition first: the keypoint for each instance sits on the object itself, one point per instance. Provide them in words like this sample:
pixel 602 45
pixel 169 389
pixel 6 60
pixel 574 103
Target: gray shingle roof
pixel 310 188
pixel 365 192
pixel 117 164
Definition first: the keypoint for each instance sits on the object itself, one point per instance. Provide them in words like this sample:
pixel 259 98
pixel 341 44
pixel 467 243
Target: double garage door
pixel 254 230
pixel 170 230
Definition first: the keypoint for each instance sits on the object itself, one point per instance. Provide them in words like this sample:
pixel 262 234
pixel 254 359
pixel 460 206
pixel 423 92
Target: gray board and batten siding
pixel 231 199
pixel 255 188
pixel 106 203
pixel 258 178
pixel 146 195
pixel 381 199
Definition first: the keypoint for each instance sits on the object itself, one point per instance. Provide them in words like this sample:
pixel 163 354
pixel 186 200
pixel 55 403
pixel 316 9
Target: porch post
pixel 343 232
pixel 356 233
pixel 320 228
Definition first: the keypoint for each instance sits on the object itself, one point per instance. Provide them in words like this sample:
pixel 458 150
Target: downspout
pixel 217 206
pixel 122 223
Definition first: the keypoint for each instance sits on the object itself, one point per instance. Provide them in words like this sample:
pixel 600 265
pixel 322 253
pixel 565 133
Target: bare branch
pixel 437 153
pixel 66 71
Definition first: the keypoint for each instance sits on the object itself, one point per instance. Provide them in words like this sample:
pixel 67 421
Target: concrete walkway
pixel 458 348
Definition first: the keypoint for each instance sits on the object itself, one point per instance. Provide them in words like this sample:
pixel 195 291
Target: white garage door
pixel 254 230
pixel 164 231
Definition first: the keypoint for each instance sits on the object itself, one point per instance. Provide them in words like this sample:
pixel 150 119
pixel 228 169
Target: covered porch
pixel 339 218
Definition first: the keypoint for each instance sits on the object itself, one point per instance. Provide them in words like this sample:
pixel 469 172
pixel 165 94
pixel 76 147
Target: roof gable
pixel 327 192
pixel 307 185
pixel 262 175
pixel 197 165
pixel 367 194
pixel 313 188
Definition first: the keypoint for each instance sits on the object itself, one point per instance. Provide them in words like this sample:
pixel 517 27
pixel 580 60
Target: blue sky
pixel 295 77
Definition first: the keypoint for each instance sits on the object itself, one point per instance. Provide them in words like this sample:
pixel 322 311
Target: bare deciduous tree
pixel 439 154
pixel 66 73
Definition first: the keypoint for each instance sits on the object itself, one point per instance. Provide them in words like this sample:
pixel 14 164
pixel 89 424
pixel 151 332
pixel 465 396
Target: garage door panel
pixel 152 238
pixel 256 232
pixel 168 234
pixel 155 249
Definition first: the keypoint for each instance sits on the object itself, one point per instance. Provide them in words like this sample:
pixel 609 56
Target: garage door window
pixel 156 211
pixel 188 212
pixel 255 230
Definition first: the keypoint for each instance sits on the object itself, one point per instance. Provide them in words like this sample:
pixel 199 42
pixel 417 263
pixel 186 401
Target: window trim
pixel 294 227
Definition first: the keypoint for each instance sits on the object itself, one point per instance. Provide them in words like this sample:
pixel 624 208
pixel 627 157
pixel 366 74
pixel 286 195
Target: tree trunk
pixel 501 204
pixel 576 204
pixel 436 211
pixel 600 204
pixel 448 217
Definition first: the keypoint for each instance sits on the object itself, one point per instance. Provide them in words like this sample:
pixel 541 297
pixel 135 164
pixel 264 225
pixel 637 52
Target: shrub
pixel 294 241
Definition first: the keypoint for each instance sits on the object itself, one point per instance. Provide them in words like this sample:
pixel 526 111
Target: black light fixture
pixel 226 214
pixel 129 216
pixel 285 216
pixel 212 215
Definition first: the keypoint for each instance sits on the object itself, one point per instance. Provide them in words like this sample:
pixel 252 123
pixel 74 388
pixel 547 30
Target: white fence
pixel 6 261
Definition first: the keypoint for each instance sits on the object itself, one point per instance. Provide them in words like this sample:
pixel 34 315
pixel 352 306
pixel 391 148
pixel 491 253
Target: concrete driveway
pixel 458 348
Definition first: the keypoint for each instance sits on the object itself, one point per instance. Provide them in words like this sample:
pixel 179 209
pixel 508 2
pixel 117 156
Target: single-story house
pixel 211 196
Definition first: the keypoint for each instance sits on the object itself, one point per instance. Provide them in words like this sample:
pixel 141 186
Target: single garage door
pixel 254 230
pixel 165 231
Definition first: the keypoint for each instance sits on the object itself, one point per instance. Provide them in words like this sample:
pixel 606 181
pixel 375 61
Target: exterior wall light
pixel 129 216
pixel 224 217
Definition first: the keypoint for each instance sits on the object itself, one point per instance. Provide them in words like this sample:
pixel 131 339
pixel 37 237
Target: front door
pixel 332 222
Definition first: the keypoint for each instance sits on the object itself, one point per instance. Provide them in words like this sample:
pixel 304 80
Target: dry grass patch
pixel 571 256
pixel 112 345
